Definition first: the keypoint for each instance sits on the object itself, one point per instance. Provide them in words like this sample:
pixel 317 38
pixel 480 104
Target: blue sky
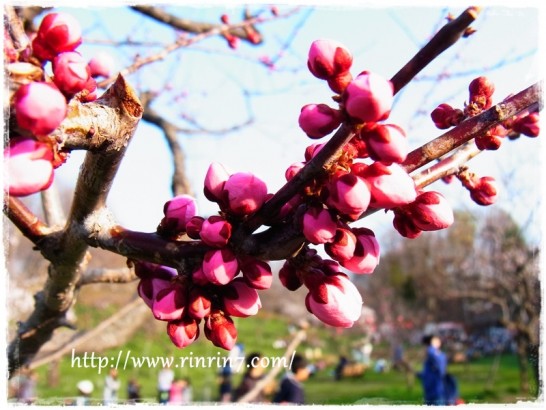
pixel 219 88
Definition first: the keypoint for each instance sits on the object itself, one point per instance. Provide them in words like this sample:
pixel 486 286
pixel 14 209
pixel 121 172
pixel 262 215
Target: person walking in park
pixel 291 389
pixel 434 372
pixel 254 373
pixel 111 388
pixel 164 381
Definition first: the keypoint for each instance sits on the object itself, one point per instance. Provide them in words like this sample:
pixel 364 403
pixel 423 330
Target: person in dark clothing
pixel 434 372
pixel 291 389
pixel 226 387
pixel 254 373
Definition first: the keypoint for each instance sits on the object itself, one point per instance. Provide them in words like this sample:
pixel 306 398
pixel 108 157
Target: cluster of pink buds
pixel 40 104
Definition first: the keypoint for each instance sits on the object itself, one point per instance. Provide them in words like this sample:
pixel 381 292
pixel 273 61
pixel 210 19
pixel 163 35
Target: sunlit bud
pixel 490 142
pixel 386 143
pixel 390 186
pixel 358 144
pixel 71 72
pixel 199 304
pixel 245 193
pixel 342 247
pixel 102 65
pixel 39 107
pixel 256 273
pixel 318 120
pixel 319 226
pixel 28 166
pixel 405 226
pixel 193 227
pixel 293 169
pixel 338 303
pixel 369 97
pixel 220 330
pixel 199 278
pixel 366 255
pixel 348 194
pixel 484 191
pixel 328 58
pixel 340 82
pixel 528 125
pixel 288 275
pixel 178 211
pixel 431 211
pixel 58 32
pixel 215 231
pixel 481 87
pixel 445 116
pixel 240 300
pixel 220 266
pixel 169 303
pixel 183 332
pixel 215 179
pixel 312 150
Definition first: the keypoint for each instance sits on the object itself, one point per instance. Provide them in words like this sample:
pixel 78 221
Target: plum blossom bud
pixel 328 58
pixel 481 87
pixel 404 224
pixel 338 303
pixel 342 248
pixel 199 278
pixel 183 332
pixel 58 32
pixel 199 304
pixel 102 65
pixel 215 231
pixel 390 186
pixel 318 120
pixel 178 211
pixel 193 227
pixel 386 143
pixel 369 97
pixel 319 225
pixel 215 179
pixel 245 193
pixel 220 266
pixel 445 116
pixel 71 72
pixel 240 300
pixel 312 150
pixel 484 191
pixel 288 275
pixel 349 194
pixel 256 273
pixel 39 107
pixel 220 330
pixel 28 165
pixel 169 303
pixel 148 288
pixel 293 169
pixel 366 255
pixel 431 211
pixel 528 125
pixel 490 142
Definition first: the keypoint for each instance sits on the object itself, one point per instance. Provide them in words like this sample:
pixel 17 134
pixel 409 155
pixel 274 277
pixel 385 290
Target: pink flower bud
pixel 256 273
pixel 312 150
pixel 328 58
pixel 348 194
pixel 193 227
pixel 390 186
pixel 148 288
pixel 481 87
pixel 220 266
pixel 39 107
pixel 221 331
pixel 342 248
pixel 386 143
pixel 484 191
pixel 488 142
pixel 178 211
pixel 245 193
pixel 102 65
pixel 28 165
pixel 293 169
pixel 214 182
pixel 215 231
pixel 169 303
pixel 369 97
pixel 445 116
pixel 199 304
pixel 338 303
pixel 319 226
pixel 199 277
pixel 288 275
pixel 431 211
pixel 340 82
pixel 58 32
pixel 528 125
pixel 183 332
pixel 366 255
pixel 71 72
pixel 240 300
pixel 405 226
pixel 318 120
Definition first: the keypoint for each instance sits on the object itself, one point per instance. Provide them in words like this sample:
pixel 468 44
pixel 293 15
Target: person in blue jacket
pixel 434 372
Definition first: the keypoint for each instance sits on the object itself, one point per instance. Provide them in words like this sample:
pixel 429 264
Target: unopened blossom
pixel 338 303
pixel 240 300
pixel 369 97
pixel 71 72
pixel 366 255
pixel 199 278
pixel 220 266
pixel 220 330
pixel 349 194
pixel 293 169
pixel 169 303
pixel 390 186
pixel 288 275
pixel 385 142
pixel 342 247
pixel 148 289
pixel 199 304
pixel 330 60
pixel 193 227
pixel 28 166
pixel 58 32
pixel 431 211
pixel 481 90
pixel 245 193
pixel 39 107
pixel 183 332
pixel 405 225
pixel 178 211
pixel 445 116
pixel 484 191
pixel 312 150
pixel 215 231
pixel 257 273
pixel 101 65
pixel 319 225
pixel 528 125
pixel 318 120
pixel 215 179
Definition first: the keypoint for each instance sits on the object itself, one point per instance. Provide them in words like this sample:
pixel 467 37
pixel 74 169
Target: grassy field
pixel 258 334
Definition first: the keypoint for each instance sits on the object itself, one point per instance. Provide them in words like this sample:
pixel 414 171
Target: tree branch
pixel 16 30
pixel 25 220
pixel 105 275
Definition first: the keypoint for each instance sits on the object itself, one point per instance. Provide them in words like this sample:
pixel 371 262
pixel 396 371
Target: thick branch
pixel 105 275
pixel 16 29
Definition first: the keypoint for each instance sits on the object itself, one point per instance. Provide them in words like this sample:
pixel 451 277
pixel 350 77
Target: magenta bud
pixel 215 231
pixel 328 58
pixel 58 32
pixel 169 303
pixel 293 169
pixel 221 331
pixel 318 120
pixel 178 211
pixel 215 179
pixel 445 116
pixel 405 225
pixel 183 332
pixel 240 300
pixel 256 273
pixel 528 125
pixel 193 227
pixel 148 288
pixel 199 304
pixel 288 275
pixel 199 278
pixel 342 248
pixel 485 191
pixel 319 225
pixel 349 194
pixel 220 266
pixel 366 255
pixel 369 98
pixel 71 73
pixel 390 186
pixel 102 65
pixel 312 150
pixel 431 211
pixel 385 142
pixel 245 193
